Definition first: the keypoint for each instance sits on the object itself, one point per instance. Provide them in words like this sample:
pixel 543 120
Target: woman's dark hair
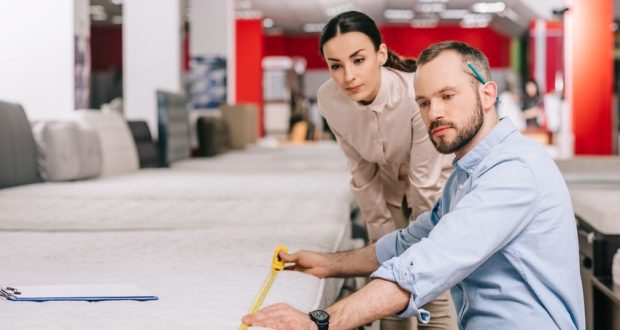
pixel 532 81
pixel 354 21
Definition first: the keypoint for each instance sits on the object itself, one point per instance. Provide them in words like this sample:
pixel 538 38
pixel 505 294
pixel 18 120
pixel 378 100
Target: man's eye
pixel 423 105
pixel 448 97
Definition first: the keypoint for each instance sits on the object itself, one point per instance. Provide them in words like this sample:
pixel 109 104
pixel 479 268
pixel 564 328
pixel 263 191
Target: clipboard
pixel 105 292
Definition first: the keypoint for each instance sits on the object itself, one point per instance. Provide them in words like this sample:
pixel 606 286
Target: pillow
pixel 66 151
pixel 18 163
pixel 117 146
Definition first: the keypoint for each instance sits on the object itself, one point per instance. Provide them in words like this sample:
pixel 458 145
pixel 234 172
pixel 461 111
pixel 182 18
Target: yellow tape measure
pixel 277 264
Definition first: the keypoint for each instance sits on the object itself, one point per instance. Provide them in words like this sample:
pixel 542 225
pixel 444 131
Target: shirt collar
pixel 471 159
pixel 383 96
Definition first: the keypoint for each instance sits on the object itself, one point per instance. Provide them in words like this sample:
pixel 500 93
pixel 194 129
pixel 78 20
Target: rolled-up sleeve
pixel 367 187
pixel 499 205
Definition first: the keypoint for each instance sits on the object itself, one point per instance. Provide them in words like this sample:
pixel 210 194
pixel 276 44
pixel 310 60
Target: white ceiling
pixel 290 15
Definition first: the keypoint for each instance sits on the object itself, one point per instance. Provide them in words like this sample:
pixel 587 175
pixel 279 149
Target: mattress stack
pixel 200 235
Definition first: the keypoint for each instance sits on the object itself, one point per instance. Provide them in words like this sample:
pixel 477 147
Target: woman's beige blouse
pixel 388 149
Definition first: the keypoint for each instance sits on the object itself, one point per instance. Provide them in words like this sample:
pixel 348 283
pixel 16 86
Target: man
pixel 502 235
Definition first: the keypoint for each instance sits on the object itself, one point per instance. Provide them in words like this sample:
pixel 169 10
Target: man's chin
pixel 443 146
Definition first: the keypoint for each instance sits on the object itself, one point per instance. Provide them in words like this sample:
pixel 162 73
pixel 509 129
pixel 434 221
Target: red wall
pixel 106 44
pixel 409 41
pixel 249 76
pixel 404 40
pixel 304 46
pixel 589 46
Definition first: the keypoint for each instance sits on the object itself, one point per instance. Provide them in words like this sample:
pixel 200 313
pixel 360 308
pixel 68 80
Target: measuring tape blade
pixel 277 265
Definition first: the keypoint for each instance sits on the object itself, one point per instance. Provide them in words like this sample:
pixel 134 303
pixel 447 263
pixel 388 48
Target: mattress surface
pixel 200 235
pixel 590 170
pixel 205 279
pixel 58 213
pixel 597 205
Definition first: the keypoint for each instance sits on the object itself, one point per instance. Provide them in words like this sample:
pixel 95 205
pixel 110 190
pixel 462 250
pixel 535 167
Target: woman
pixel 369 104
pixel 532 103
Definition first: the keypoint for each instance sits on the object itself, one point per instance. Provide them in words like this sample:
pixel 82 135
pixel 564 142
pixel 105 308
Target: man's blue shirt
pixel 502 237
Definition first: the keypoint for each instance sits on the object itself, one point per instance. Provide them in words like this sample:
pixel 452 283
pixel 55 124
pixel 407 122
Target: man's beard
pixel 463 136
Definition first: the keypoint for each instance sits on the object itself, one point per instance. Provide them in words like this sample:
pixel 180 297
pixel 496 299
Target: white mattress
pixel 205 279
pixel 59 213
pixel 597 205
pixel 590 170
pixel 200 236
pixel 162 183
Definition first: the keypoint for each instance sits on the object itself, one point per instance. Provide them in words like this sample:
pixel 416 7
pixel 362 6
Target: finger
pixel 268 312
pixel 288 257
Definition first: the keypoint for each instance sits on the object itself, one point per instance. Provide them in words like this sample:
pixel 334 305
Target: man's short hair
pixel 467 52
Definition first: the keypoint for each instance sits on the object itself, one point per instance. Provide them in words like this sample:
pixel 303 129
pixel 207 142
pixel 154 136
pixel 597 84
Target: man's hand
pixel 313 263
pixel 280 316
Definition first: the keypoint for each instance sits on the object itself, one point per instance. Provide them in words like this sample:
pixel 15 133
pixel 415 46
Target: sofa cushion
pixel 242 121
pixel 66 151
pixel 117 146
pixel 147 149
pixel 18 162
pixel 173 126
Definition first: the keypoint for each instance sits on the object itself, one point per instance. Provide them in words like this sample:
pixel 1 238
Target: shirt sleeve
pixel 500 204
pixel 367 188
pixel 429 169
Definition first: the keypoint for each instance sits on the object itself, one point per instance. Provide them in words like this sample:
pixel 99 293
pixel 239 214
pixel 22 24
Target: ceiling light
pixel 313 27
pixel 117 19
pixel 244 4
pixel 476 20
pixel 249 14
pixel 339 9
pixel 398 14
pixel 433 7
pixel 511 14
pixel 117 2
pixel 429 22
pixel 267 23
pixel 488 7
pixel 454 13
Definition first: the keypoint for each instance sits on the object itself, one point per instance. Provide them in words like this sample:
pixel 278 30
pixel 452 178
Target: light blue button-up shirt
pixel 502 237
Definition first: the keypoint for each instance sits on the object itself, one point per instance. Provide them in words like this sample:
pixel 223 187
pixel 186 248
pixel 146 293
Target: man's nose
pixel 436 110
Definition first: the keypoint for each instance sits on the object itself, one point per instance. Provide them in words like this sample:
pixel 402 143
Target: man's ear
pixel 488 95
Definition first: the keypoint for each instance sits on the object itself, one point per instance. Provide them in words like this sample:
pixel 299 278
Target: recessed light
pixel 267 23
pixel 313 27
pixel 488 7
pixel 398 14
pixel 454 13
pixel 431 7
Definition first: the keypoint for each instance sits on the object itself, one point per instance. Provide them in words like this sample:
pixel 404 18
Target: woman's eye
pixel 358 60
pixel 335 66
